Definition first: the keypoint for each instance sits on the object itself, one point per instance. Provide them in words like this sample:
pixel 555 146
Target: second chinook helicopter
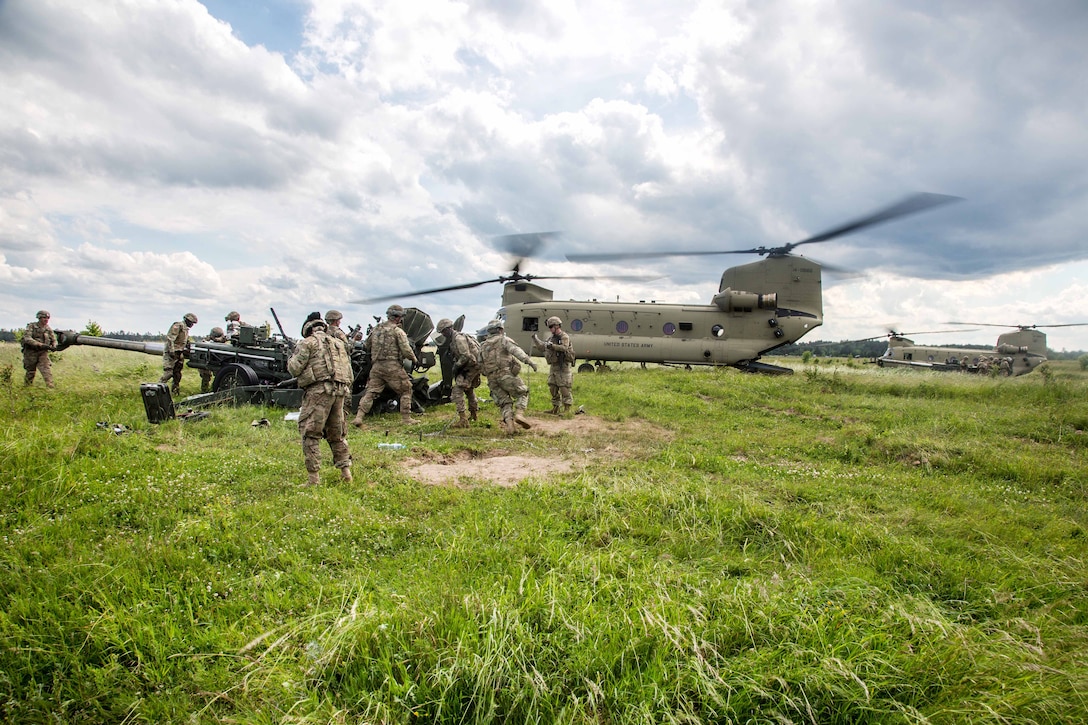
pixel 759 306
pixel 1016 353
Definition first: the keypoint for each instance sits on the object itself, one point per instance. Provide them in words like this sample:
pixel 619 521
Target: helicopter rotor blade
pixel 910 205
pixel 516 277
pixel 1021 327
pixel 521 246
pixel 419 293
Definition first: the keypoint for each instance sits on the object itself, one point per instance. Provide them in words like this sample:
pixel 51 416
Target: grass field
pixel 845 545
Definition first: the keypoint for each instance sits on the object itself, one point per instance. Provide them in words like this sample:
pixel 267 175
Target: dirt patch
pixel 594 439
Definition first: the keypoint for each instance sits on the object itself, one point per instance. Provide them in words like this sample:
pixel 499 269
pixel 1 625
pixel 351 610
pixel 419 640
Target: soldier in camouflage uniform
pixel 173 354
pixel 234 323
pixel 499 356
pixel 332 319
pixel 321 364
pixel 217 335
pixel 465 352
pixel 559 352
pixel 38 340
pixel 389 348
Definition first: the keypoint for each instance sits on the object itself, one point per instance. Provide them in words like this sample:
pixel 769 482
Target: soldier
pixel 499 356
pixel 389 349
pixel 321 364
pixel 217 335
pixel 234 323
pixel 38 340
pixel 332 319
pixel 559 352
pixel 173 354
pixel 465 352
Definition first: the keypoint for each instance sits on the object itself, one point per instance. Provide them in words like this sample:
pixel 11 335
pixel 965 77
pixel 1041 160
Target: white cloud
pixel 148 154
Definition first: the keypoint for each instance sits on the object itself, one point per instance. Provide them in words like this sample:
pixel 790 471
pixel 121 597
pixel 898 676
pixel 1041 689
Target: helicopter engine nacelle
pixel 730 300
pixel 1006 349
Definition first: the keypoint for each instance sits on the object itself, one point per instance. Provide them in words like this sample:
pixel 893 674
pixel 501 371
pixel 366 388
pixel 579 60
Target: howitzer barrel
pixel 67 338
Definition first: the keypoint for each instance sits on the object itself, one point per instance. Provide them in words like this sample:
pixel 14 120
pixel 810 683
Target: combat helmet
pixel 495 326
pixel 311 325
pixel 189 319
pixel 232 316
pixel 333 316
pixel 395 311
pixel 43 313
pixel 553 321
pixel 218 332
pixel 443 324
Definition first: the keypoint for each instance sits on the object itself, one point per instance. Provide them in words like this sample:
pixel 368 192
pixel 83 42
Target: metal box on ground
pixel 157 402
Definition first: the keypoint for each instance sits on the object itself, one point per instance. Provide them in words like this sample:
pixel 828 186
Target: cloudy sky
pixel 165 156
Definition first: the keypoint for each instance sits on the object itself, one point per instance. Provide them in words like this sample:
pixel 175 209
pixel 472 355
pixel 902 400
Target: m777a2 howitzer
pixel 251 367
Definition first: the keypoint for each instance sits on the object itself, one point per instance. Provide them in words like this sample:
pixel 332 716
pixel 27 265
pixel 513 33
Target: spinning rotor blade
pixel 417 293
pixel 1021 327
pixel 524 245
pixel 515 277
pixel 910 205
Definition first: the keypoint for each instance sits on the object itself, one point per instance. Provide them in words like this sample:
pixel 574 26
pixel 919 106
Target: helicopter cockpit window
pixel 530 324
pixel 668 328
pixel 686 327
pixel 621 327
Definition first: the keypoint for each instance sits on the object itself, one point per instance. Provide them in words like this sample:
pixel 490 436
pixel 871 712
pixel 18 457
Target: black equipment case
pixel 157 402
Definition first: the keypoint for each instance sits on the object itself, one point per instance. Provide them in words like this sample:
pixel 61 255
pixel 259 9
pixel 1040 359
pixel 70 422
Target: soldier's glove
pixel 457 368
pixel 53 348
pixel 532 365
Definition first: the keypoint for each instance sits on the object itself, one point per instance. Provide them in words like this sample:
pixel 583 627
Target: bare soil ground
pixel 593 439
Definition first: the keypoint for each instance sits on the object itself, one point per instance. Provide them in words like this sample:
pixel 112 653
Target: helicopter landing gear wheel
pixel 585 368
pixel 234 375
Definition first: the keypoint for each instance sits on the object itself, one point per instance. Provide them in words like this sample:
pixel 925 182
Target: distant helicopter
pixel 1016 353
pixel 759 306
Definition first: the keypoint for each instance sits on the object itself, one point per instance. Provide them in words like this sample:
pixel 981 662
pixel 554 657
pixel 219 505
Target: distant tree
pixel 92 328
pixel 1083 360
pixel 806 356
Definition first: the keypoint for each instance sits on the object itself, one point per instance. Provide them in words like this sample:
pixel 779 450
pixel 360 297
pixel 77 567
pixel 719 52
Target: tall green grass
pixel 845 545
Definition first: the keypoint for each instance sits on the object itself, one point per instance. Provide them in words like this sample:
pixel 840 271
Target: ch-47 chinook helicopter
pixel 1016 353
pixel 759 306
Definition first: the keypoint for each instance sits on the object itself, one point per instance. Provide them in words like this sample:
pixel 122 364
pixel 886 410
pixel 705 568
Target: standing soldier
pixel 38 340
pixel 234 323
pixel 465 352
pixel 559 352
pixel 389 349
pixel 173 354
pixel 217 335
pixel 321 364
pixel 499 356
pixel 332 319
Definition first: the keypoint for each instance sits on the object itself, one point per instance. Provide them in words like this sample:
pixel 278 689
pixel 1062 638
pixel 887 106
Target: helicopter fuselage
pixel 759 307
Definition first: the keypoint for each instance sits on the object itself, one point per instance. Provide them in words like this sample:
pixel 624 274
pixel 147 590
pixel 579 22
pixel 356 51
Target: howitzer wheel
pixel 234 375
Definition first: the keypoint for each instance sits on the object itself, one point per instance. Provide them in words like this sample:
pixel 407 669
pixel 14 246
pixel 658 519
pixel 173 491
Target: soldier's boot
pixel 554 410
pixel 175 391
pixel 472 415
pixel 508 427
pixel 407 419
pixel 345 474
pixel 566 409
pixel 521 420
pixel 312 478
pixel 462 421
